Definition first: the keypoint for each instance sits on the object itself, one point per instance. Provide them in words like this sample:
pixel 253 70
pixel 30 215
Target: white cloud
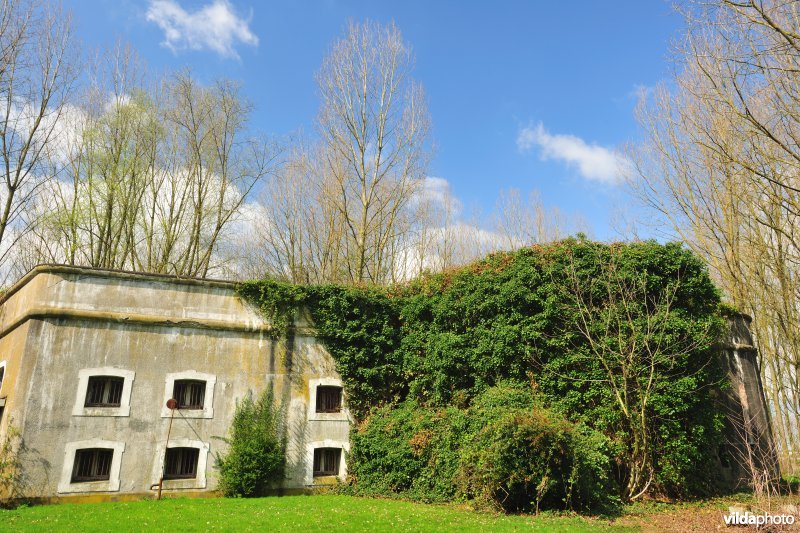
pixel 438 192
pixel 215 26
pixel 594 162
pixel 436 188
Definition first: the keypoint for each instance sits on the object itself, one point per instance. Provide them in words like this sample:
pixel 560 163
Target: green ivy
pixel 360 327
pixel 445 339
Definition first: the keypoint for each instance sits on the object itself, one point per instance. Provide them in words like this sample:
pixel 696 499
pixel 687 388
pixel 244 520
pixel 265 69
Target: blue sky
pixel 530 95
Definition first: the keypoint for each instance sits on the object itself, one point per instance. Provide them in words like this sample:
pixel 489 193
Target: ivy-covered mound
pixel 611 346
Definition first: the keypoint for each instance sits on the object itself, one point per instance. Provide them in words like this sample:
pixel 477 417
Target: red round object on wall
pixel 172 403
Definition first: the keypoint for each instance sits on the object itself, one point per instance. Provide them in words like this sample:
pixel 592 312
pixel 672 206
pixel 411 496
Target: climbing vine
pixel 443 339
pixel 360 327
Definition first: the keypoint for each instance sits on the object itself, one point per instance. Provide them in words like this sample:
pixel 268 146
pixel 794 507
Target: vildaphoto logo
pixel 750 519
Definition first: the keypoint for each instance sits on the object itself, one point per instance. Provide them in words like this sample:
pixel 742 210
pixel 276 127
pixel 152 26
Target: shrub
pixel 361 329
pixel 410 450
pixel 359 326
pixel 792 483
pixel 591 485
pixel 523 457
pixel 519 462
pixel 256 456
pixel 505 452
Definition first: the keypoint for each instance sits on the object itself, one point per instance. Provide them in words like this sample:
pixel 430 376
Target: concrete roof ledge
pixel 61 291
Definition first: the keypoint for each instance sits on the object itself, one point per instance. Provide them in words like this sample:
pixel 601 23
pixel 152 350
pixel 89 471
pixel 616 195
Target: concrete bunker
pixel 89 358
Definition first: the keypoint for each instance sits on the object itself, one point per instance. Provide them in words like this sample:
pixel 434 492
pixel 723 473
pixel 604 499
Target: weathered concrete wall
pixel 59 325
pixel 749 452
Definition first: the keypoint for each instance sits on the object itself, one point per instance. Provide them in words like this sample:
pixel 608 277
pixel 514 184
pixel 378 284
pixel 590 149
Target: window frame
pixel 76 463
pixel 197 482
pixel 312 480
pixel 208 400
pixel 329 389
pixel 3 372
pixel 326 473
pixel 124 408
pixel 112 484
pixel 200 384
pixel 343 415
pixel 107 390
pixel 181 449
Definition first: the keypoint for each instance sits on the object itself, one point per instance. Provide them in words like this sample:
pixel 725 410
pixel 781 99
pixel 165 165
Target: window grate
pixel 329 399
pixel 189 393
pixel 181 463
pixel 326 461
pixel 104 391
pixel 92 464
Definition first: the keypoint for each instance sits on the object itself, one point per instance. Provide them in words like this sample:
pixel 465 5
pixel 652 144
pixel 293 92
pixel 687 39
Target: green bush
pixel 591 485
pixel 11 474
pixel 410 451
pixel 505 452
pixel 523 457
pixel 510 317
pixel 255 460
pixel 518 463
pixel 359 326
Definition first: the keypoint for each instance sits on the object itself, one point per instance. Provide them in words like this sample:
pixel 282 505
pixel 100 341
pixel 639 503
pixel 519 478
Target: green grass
pixel 300 514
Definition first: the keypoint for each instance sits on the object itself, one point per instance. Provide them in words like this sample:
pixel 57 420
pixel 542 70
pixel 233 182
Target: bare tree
pixel 373 125
pixel 523 223
pixel 301 233
pixel 156 176
pixel 37 75
pixel 754 455
pixel 216 162
pixel 721 166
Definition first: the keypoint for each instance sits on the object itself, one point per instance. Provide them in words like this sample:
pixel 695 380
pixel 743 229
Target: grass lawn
pixel 301 514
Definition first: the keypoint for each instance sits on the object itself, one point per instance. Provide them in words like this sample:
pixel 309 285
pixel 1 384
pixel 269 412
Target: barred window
pixel 104 391
pixel 181 463
pixel 326 461
pixel 329 399
pixel 189 393
pixel 92 464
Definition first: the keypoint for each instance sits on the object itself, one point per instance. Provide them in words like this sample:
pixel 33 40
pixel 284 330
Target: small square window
pixel 329 399
pixel 189 393
pixel 181 463
pixel 104 391
pixel 92 464
pixel 326 461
